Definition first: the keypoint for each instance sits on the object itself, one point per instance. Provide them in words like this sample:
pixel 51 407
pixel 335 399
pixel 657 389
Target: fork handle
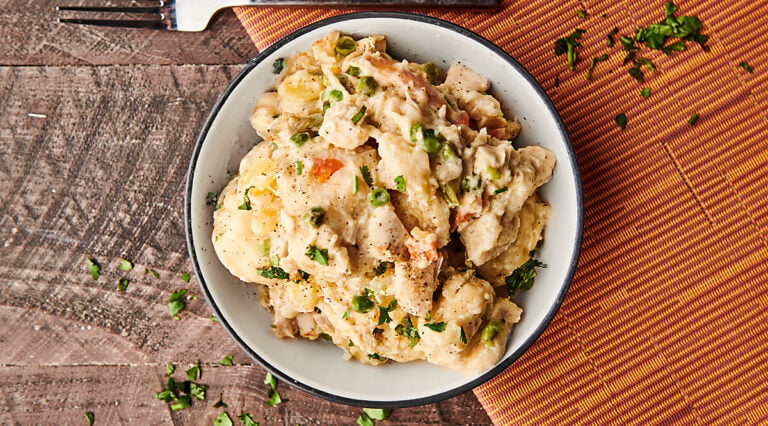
pixel 195 14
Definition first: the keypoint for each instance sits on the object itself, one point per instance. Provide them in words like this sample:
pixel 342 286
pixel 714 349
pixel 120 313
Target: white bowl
pixel 318 367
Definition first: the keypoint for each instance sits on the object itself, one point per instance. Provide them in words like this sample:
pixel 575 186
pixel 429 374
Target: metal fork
pixel 194 15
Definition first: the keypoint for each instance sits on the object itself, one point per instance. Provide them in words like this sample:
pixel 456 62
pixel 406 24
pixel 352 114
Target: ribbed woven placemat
pixel 666 319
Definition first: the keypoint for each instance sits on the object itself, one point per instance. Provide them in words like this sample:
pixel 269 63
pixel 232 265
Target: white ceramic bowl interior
pixel 318 367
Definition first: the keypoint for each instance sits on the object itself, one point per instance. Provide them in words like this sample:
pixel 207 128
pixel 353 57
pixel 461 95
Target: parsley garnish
pixel 581 14
pixel 274 398
pixel 126 265
pixel 406 329
pixel 462 336
pixel 362 303
pixel 366 173
pixel 122 284
pixel 93 268
pixel 317 254
pixel 568 46
pixel 176 301
pixel 693 119
pixel 184 277
pixel 400 183
pixel 247 419
pixel 611 35
pixel 270 380
pixel 371 414
pixel 212 199
pixel 645 92
pixel 89 416
pixel 273 272
pixel 384 312
pixel 382 267
pixel 181 403
pixel 278 65
pixel 169 370
pixel 227 360
pixel 359 116
pixel 246 201
pixel 436 326
pixel 377 357
pixel 747 67
pixel 500 190
pixel 523 276
pixel 594 62
pixel 213 318
pixel 194 372
pixel 345 315
pixel 197 391
pixel 222 420
pixel 364 420
pixel 636 73
pixel 685 28
pixel 220 403
pixel 621 120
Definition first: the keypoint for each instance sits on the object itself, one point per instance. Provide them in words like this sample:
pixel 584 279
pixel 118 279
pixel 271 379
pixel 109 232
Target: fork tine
pixel 129 9
pixel 147 23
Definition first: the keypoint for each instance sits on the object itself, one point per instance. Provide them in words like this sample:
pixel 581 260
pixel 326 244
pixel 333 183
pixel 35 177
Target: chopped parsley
pixel 378 413
pixel 273 272
pixel 568 46
pixel 436 326
pixel 227 360
pixel 684 27
pixel 220 403
pixel 581 14
pixel 636 73
pixel 693 119
pixel 462 336
pixel 122 284
pixel 621 120
pixel 304 276
pixel 270 380
pixel 377 357
pixel 299 167
pixel 212 199
pixel 246 201
pixel 611 35
pixel 184 277
pixel 359 116
pixel 222 420
pixel 364 420
pixel 181 403
pixel 317 254
pixel 384 312
pixel 274 398
pixel 645 92
pixel 594 62
pixel 197 391
pixel 491 330
pixel 89 416
pixel 366 173
pixel 213 318
pixel 522 277
pixel 93 268
pixel 400 183
pixel 345 315
pixel 382 267
pixel 500 190
pixel 406 329
pixel 126 265
pixel 278 65
pixel 747 67
pixel 176 301
pixel 152 272
pixel 194 372
pixel 362 303
pixel 169 370
pixel 247 420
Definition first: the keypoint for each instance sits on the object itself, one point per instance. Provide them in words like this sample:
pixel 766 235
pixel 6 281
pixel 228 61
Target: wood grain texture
pixel 30 35
pixel 94 163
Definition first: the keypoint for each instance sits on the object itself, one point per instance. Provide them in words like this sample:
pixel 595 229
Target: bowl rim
pixel 482 378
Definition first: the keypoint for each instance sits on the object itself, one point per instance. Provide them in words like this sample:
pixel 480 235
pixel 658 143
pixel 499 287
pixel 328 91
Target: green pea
pixel 416 132
pixel 493 172
pixel 353 71
pixel 345 45
pixel 366 86
pixel 314 217
pixel 378 197
pixel 431 142
pixel 361 303
pixel 336 95
pixel 491 330
pixel 300 138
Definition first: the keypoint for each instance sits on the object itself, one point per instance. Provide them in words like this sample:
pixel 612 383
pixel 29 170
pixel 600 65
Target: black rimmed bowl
pixel 318 367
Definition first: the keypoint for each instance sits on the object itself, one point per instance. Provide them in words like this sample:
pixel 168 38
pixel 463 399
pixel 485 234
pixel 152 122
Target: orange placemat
pixel 666 319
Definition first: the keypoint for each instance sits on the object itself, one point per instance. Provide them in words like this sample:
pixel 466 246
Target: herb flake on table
pixel 270 380
pixel 594 62
pixel 645 92
pixel 747 67
pixel 90 417
pixel 278 65
pixel 151 272
pixel 176 301
pixel 181 403
pixel 184 277
pixel 621 120
pixel 274 398
pixel 522 277
pixel 684 28
pixel 212 199
pixel 247 420
pixel 581 14
pixel 220 403
pixel 197 390
pixel 568 45
pixel 693 119
pixel 611 35
pixel 194 372
pixel 169 369
pixel 126 265
pixel 227 360
pixel 222 420
pixel 378 413
pixel 122 284
pixel 93 268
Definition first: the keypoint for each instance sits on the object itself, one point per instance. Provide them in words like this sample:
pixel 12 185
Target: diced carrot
pixel 323 168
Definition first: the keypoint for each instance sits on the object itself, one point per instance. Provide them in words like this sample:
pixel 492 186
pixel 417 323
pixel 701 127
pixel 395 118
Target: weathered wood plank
pixel 98 171
pixel 31 36
pixel 124 394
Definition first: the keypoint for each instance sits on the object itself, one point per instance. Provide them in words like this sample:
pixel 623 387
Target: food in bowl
pixel 386 208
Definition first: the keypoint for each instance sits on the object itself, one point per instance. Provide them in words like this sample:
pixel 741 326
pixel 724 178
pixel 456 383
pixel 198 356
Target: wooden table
pixel 96 130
